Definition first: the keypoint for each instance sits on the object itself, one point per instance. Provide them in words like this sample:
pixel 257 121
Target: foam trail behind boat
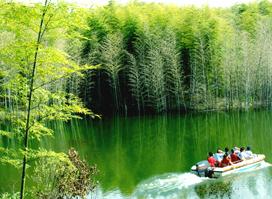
pixel 259 186
pixel 266 164
pixel 182 185
pixel 167 185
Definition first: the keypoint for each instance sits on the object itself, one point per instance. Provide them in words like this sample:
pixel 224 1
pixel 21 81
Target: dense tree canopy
pixel 149 58
pixel 163 58
pixel 152 57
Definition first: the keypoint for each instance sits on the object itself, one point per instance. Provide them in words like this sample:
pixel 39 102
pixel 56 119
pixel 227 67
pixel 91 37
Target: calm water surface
pixel 149 157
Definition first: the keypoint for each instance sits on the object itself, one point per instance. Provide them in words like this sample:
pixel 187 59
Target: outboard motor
pixel 203 169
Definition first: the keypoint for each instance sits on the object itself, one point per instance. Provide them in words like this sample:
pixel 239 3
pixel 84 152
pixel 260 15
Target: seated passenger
pixel 211 160
pixel 248 153
pixel 236 150
pixel 225 162
pixel 219 155
pixel 242 154
pixel 227 150
pixel 234 157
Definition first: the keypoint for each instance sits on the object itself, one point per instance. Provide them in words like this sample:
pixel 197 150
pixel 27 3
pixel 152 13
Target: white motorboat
pixel 203 168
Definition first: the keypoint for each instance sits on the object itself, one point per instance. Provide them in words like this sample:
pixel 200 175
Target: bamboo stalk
pixel 23 178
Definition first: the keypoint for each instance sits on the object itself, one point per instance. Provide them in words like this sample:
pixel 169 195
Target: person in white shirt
pixel 242 154
pixel 248 153
pixel 219 155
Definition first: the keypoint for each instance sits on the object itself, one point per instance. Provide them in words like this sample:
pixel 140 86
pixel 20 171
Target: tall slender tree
pixel 36 70
pixel 41 31
pixel 111 55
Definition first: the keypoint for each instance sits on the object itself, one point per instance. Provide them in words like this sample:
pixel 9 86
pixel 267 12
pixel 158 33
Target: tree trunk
pixel 23 179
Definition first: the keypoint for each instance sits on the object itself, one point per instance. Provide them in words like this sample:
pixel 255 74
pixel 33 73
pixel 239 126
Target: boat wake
pixel 167 186
pixel 265 165
pixel 184 185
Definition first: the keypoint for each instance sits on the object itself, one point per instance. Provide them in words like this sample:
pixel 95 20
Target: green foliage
pixel 54 67
pixel 63 176
pixel 36 67
pixel 152 58
pixel 173 58
pixel 9 196
pixel 111 60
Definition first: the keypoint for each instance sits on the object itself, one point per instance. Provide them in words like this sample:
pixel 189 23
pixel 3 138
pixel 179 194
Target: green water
pixel 149 157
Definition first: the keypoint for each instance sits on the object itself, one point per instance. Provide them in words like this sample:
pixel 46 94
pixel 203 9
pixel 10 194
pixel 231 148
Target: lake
pixel 151 156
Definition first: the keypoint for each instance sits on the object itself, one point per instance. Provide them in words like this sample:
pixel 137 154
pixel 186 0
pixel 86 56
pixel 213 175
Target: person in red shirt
pixel 234 157
pixel 211 160
pixel 226 161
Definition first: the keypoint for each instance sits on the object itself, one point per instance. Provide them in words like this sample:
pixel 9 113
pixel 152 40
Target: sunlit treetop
pixel 212 3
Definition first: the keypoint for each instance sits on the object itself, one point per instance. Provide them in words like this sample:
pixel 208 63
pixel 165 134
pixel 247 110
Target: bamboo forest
pixel 139 100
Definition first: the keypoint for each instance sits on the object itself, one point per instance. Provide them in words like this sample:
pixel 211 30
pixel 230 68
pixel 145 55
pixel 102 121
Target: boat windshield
pixel 203 163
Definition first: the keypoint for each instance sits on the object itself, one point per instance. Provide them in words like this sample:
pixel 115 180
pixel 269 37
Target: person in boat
pixel 242 154
pixel 227 150
pixel 234 157
pixel 236 150
pixel 212 161
pixel 225 161
pixel 248 153
pixel 219 155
